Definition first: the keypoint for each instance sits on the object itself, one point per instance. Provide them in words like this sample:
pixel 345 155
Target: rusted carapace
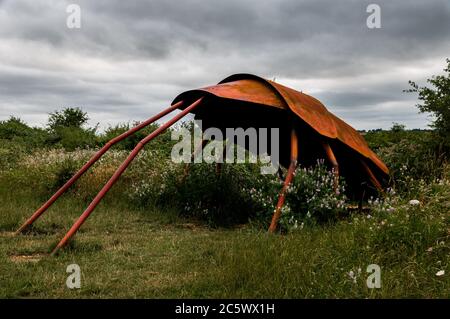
pixel 307 131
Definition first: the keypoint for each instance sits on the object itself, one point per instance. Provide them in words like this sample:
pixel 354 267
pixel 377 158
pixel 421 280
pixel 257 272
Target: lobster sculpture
pixel 307 131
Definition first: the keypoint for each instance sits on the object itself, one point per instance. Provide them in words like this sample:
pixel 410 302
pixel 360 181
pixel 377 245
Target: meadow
pixel 155 236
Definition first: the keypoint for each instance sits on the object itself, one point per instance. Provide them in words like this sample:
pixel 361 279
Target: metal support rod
pixel 372 177
pixel 119 172
pixel 333 162
pixel 287 181
pixel 91 162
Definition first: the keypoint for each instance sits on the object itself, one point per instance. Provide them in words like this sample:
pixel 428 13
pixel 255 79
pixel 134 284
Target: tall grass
pixel 132 246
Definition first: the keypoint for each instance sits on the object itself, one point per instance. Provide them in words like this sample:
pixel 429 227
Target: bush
pixel 10 155
pixel 382 138
pixel 162 143
pixel 63 173
pixel 239 193
pixel 312 195
pixel 114 131
pixel 15 133
pixel 150 175
pixel 310 198
pixel 411 156
pixel 14 128
pixel 219 198
pixel 72 138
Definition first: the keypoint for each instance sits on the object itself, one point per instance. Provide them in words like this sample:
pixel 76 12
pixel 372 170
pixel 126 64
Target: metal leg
pixel 335 164
pixel 287 181
pixel 91 162
pixel 372 177
pixel 119 172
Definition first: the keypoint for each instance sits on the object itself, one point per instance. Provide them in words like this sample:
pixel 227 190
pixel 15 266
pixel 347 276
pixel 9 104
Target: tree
pixel 436 100
pixel 14 127
pixel 16 132
pixel 66 129
pixel 72 117
pixel 397 127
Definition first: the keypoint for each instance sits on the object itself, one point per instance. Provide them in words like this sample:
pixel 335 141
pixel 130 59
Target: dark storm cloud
pixel 367 96
pixel 130 58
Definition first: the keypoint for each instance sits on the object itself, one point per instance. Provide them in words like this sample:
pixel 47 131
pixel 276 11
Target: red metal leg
pixel 372 177
pixel 95 158
pixel 287 181
pixel 334 162
pixel 119 172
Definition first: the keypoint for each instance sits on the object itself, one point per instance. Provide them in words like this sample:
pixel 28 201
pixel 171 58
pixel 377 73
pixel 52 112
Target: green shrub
pixel 310 198
pixel 413 162
pixel 14 133
pixel 219 198
pixel 63 173
pixel 14 128
pixel 162 143
pixel 312 195
pixel 414 157
pixel 240 192
pixel 150 174
pixel 72 138
pixel 10 155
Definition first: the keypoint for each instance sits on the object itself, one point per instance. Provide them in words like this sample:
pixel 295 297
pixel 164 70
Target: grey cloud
pixel 143 53
pixel 365 97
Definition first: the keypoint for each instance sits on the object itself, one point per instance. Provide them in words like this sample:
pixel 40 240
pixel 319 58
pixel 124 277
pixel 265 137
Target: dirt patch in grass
pixel 190 226
pixel 46 230
pixel 33 258
pixel 7 234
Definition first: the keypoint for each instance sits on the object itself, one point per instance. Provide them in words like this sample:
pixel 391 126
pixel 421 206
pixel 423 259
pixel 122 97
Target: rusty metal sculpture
pixel 308 131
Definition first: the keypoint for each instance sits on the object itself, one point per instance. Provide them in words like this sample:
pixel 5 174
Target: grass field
pixel 128 252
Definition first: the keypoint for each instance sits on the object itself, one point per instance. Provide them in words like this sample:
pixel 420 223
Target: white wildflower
pixel 414 202
pixel 352 276
pixel 440 273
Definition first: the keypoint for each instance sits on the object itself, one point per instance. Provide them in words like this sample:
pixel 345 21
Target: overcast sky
pixel 130 59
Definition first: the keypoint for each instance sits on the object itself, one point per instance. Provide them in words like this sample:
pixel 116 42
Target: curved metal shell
pixel 251 88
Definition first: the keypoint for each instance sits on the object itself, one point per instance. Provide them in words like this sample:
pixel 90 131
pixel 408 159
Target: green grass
pixel 137 253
